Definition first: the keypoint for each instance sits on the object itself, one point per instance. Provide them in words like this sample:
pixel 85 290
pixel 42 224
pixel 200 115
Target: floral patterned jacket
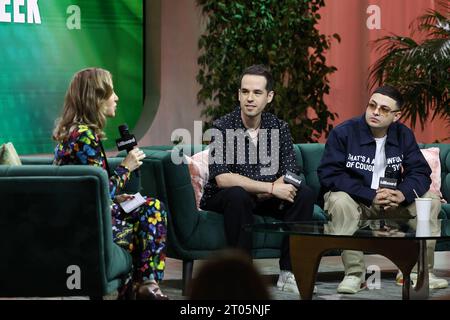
pixel 84 147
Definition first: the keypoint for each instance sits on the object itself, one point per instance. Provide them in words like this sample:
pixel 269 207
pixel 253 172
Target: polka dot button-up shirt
pixel 232 150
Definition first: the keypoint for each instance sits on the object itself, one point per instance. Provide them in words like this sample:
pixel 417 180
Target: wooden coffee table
pixel 402 245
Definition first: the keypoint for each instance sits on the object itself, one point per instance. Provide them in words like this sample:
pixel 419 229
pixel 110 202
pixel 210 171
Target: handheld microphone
pixel 127 141
pixel 290 178
pixel 389 181
pixel 293 179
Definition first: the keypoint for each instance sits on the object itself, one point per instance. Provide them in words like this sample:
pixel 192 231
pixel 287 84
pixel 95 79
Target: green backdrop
pixel 38 60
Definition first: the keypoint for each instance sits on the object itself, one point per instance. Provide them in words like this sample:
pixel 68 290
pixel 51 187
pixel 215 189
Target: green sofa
pixel 195 234
pixel 53 218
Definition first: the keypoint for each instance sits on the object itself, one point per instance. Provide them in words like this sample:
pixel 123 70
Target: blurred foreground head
pixel 229 275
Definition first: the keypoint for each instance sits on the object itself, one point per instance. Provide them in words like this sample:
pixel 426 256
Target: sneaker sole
pixel 439 286
pixel 350 290
pixel 431 286
pixel 290 290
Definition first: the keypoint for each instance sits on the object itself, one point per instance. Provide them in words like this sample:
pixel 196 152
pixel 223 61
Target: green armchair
pixel 56 230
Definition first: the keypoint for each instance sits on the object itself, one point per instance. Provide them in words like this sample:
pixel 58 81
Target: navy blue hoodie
pixel 347 163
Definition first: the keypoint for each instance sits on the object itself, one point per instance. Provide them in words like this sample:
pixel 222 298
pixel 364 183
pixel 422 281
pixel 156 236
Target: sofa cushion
pixel 432 157
pixel 199 171
pixel 319 214
pixel 8 155
pixel 311 154
pixel 444 156
pixel 298 157
pixel 132 186
pixel 210 233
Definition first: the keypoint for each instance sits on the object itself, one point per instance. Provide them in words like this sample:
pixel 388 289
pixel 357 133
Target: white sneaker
pixel 434 282
pixel 286 282
pixel 351 284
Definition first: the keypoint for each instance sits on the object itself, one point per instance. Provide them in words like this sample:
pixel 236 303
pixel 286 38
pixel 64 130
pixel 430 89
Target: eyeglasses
pixel 384 111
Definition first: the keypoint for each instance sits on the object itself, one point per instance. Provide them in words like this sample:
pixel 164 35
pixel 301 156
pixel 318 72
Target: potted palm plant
pixel 420 69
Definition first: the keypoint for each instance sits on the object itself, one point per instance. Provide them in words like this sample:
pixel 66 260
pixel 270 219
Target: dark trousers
pixel 238 206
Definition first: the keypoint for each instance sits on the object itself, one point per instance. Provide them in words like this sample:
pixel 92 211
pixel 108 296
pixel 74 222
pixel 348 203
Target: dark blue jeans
pixel 238 206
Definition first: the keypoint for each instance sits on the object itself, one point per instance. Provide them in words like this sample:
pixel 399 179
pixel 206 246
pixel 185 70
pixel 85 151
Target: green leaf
pixel 280 34
pixel 419 69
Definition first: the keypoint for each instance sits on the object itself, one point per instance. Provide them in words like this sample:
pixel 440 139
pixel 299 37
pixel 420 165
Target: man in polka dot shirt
pixel 250 152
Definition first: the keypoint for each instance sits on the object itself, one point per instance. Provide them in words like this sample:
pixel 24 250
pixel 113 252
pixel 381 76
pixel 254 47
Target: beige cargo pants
pixel 346 215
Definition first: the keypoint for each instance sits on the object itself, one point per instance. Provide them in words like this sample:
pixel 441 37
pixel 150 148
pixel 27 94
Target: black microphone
pixel 389 181
pixel 291 178
pixel 127 141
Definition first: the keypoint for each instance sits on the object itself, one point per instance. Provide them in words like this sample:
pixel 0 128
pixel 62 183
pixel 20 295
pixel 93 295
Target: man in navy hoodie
pixel 356 155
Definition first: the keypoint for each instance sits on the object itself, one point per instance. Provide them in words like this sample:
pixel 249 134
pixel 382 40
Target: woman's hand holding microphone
pixel 133 159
